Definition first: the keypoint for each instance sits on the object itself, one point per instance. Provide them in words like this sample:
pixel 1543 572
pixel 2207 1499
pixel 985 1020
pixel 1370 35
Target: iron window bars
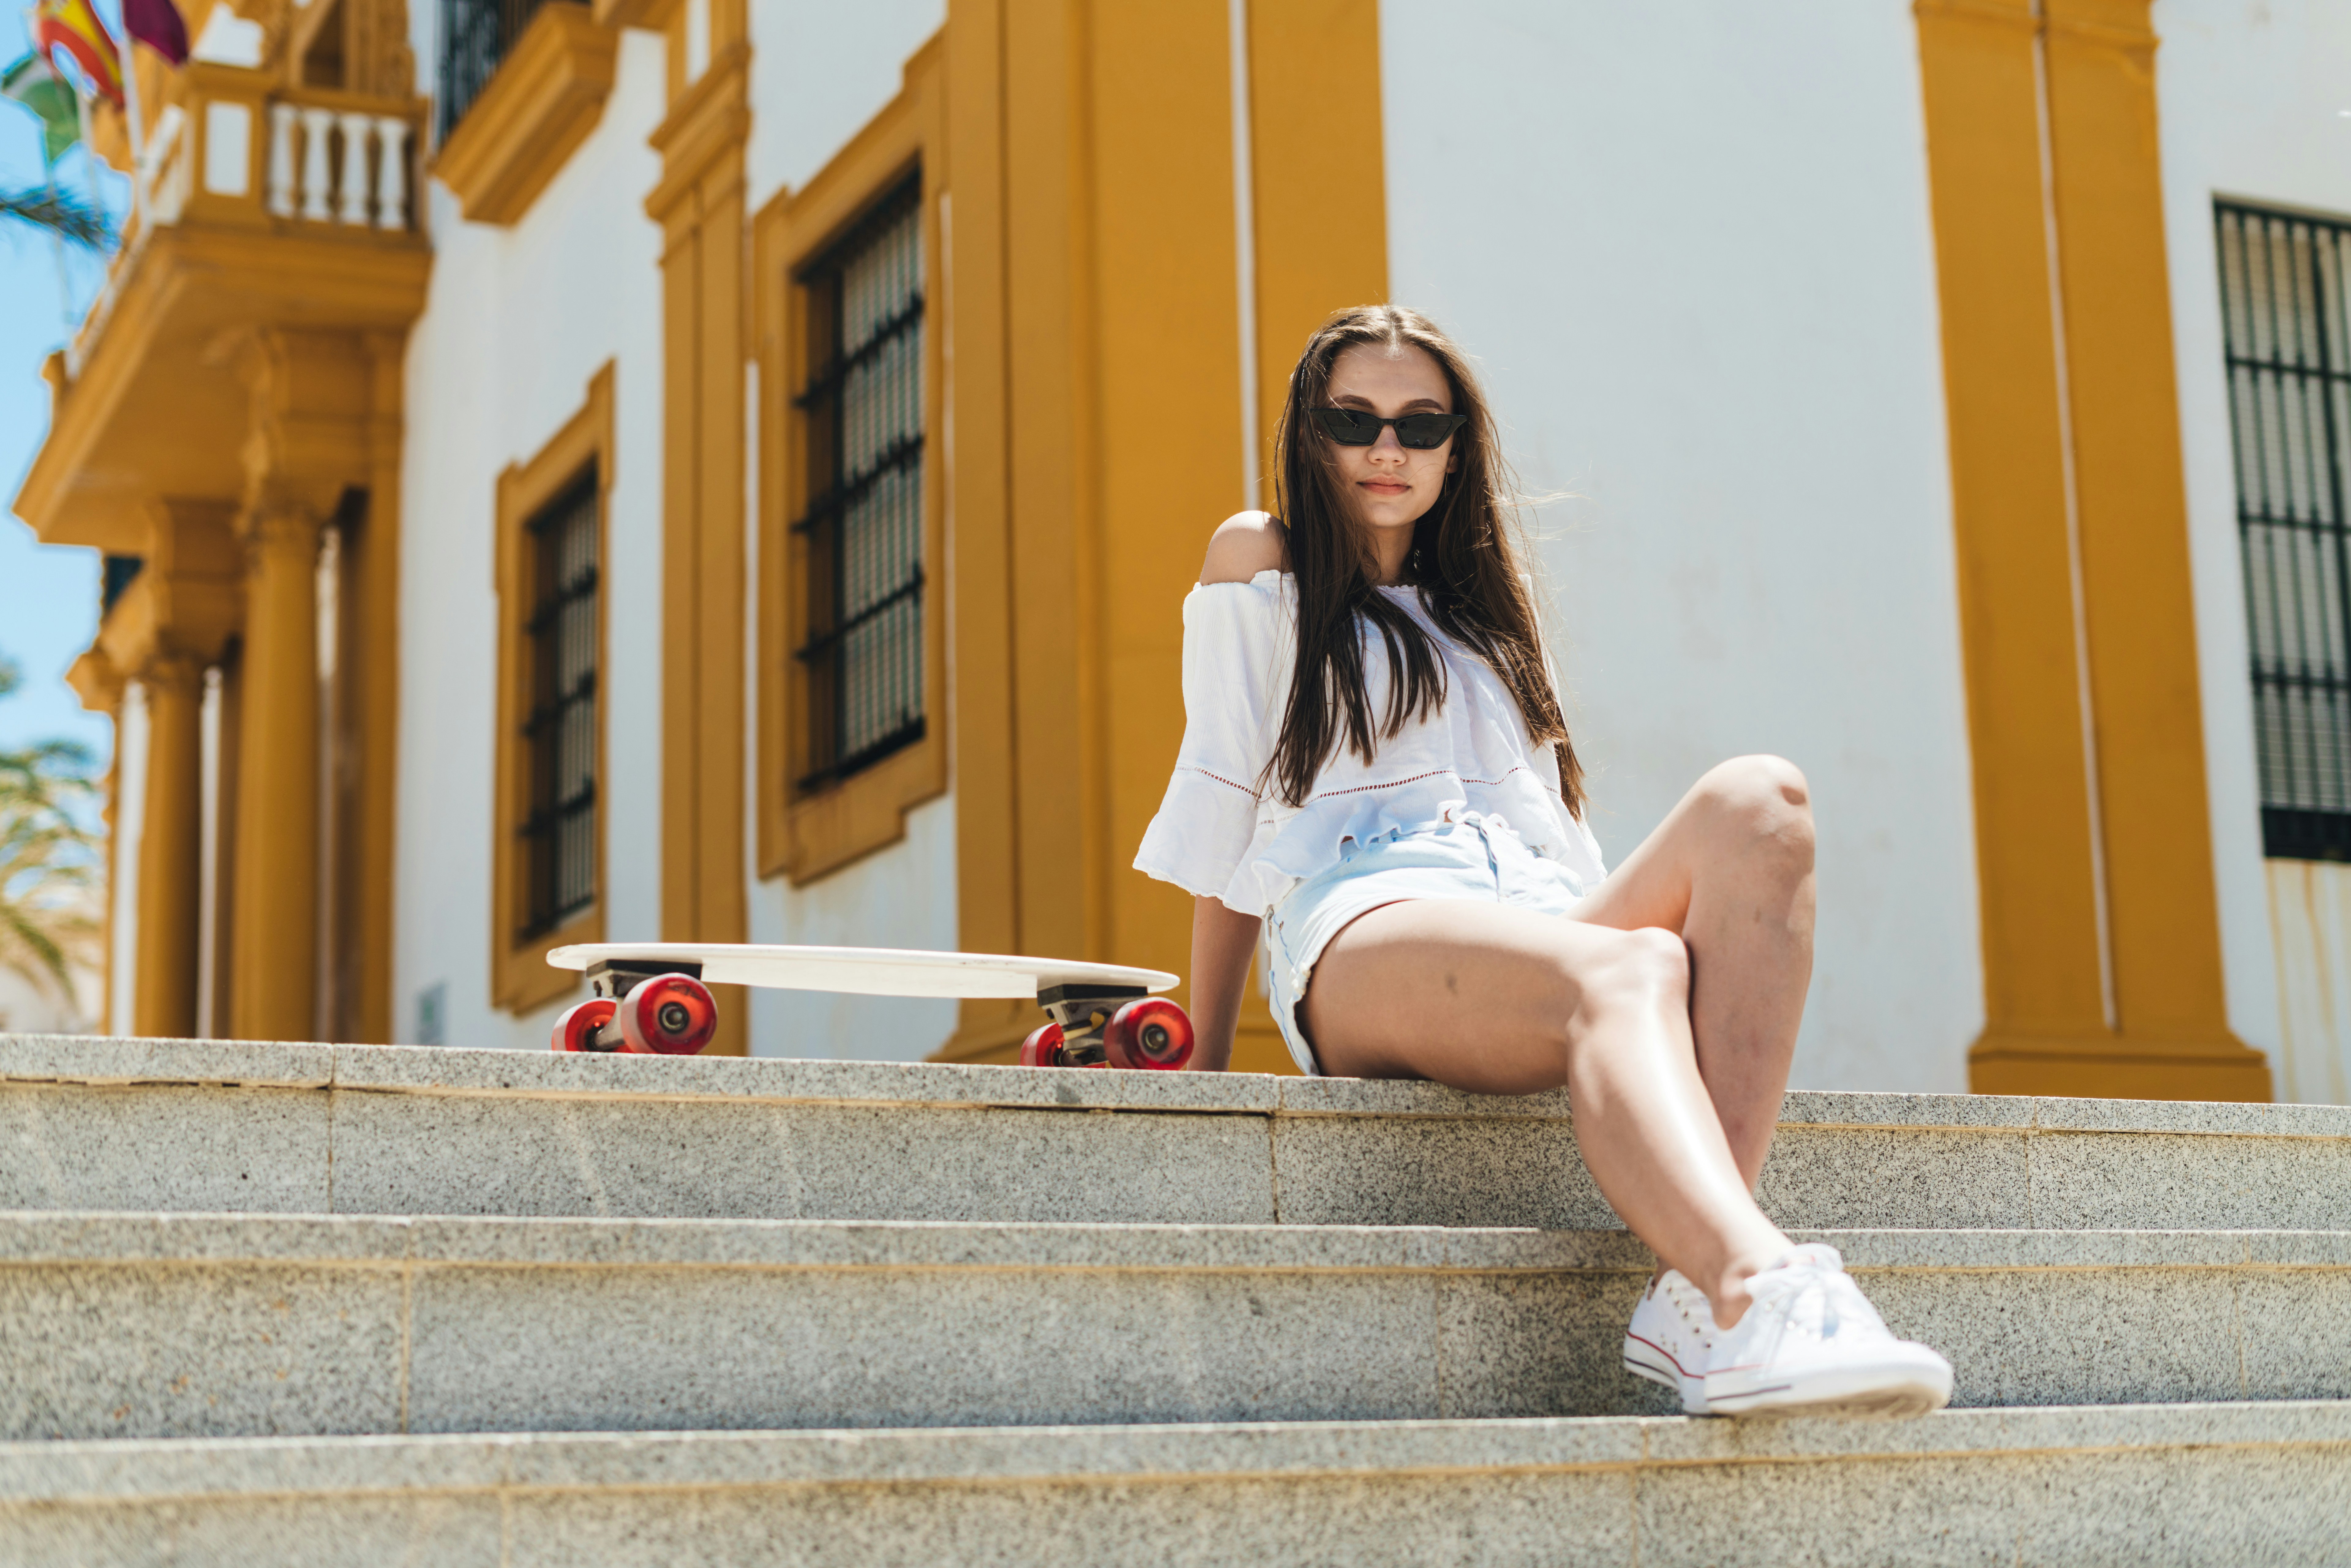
pixel 2285 280
pixel 862 531
pixel 476 35
pixel 558 735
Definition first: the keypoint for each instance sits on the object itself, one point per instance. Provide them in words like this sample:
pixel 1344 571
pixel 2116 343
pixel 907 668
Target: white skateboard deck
pixel 866 971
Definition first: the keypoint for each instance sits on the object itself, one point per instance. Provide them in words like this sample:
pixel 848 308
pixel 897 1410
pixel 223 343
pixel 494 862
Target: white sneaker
pixel 1671 1338
pixel 1811 1344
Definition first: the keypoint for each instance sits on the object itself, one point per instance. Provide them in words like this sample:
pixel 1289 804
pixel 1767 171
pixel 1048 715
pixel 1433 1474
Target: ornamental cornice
pixel 544 98
pixel 709 125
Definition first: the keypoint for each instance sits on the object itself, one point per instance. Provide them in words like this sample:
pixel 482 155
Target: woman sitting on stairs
pixel 1376 780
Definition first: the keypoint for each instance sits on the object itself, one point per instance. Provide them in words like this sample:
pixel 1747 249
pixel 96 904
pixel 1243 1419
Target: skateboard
pixel 653 998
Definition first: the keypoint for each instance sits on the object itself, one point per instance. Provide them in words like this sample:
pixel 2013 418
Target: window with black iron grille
pixel 476 35
pixel 863 526
pixel 2285 279
pixel 558 737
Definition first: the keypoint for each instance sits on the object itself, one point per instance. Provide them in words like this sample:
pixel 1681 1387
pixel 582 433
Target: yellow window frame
pixel 521 980
pixel 806 835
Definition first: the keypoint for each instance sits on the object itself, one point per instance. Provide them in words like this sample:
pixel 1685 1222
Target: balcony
pixel 271 206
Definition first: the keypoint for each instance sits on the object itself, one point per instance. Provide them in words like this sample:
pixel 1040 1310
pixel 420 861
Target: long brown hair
pixel 1462 561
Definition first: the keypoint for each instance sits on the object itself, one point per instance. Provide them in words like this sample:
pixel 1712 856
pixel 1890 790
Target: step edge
pixel 54 1238
pixel 440 1071
pixel 113 1471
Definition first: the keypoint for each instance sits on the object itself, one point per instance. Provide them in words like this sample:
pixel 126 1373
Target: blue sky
pixel 48 596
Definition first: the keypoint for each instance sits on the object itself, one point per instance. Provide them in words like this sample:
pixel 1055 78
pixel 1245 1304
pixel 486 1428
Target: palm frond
pixel 50 861
pixel 30 950
pixel 62 214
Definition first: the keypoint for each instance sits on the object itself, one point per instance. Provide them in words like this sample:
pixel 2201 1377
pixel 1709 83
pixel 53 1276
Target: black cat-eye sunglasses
pixel 1357 427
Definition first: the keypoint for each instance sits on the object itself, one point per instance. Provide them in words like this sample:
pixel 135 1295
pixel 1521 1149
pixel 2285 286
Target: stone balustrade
pixel 343 166
pixel 240 146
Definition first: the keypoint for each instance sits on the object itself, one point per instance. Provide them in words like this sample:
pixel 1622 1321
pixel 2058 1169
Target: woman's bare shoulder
pixel 1244 543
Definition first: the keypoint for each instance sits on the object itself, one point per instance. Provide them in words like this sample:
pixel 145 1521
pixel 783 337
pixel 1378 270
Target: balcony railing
pixel 314 155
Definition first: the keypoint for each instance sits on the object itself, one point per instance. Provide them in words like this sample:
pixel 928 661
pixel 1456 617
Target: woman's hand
pixel 1222 944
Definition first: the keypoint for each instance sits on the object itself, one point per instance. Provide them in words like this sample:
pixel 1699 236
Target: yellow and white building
pixel 729 470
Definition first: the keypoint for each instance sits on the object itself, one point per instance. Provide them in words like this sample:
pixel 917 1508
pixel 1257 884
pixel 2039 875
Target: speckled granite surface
pixel 2229 1483
pixel 209 1125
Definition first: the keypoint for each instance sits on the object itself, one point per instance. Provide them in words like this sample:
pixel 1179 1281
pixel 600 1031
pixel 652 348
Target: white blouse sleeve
pixel 1238 652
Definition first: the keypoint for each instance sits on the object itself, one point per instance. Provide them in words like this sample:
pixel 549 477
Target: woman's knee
pixel 1644 969
pixel 1759 802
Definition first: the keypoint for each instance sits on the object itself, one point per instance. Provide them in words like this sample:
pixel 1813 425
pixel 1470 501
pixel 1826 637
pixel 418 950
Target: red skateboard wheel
pixel 669 1015
pixel 1152 1033
pixel 576 1028
pixel 1043 1048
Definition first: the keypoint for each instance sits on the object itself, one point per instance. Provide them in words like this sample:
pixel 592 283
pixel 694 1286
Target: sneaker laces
pixel 1810 1293
pixel 1691 1303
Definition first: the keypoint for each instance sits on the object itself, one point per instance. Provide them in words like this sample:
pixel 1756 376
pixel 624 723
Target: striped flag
pixel 73 27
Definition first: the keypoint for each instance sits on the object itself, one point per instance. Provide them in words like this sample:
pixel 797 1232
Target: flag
pixel 73 27
pixel 34 83
pixel 157 25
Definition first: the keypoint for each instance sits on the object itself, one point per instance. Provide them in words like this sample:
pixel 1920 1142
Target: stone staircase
pixel 344 1305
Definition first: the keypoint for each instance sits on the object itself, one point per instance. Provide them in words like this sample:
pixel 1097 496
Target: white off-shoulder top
pixel 1216 835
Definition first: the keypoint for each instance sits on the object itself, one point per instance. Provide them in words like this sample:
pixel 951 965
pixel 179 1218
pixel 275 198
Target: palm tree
pixel 49 860
pixel 61 214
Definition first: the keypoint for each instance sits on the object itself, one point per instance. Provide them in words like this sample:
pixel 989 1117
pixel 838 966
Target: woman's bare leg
pixel 1730 868
pixel 1506 1001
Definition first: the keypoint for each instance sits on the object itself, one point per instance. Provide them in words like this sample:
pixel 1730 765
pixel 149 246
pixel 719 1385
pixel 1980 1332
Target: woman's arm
pixel 1222 945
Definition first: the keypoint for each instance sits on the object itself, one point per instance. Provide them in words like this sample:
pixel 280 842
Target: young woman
pixel 1376 780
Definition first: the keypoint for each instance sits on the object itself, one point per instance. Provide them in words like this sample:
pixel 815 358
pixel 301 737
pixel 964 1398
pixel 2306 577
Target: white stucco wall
pixel 1689 242
pixel 2252 94
pixel 517 321
pixel 819 73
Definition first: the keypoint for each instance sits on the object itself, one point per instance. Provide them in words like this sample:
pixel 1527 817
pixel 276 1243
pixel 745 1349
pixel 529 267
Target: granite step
pixel 203 1126
pixel 192 1325
pixel 2236 1483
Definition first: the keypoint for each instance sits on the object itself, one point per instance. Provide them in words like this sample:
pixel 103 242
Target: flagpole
pixel 130 59
pixel 90 178
pixel 88 150
pixel 57 245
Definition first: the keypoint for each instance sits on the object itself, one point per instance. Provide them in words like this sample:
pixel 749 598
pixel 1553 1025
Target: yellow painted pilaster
pixel 1095 286
pixel 2101 935
pixel 273 987
pixel 972 283
pixel 1319 213
pixel 169 849
pixel 311 396
pixel 1320 173
pixel 706 344
pixel 1098 417
pixel 1162 145
pixel 371 646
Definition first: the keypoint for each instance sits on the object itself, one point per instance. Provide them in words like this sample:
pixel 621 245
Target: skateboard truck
pixel 1108 1026
pixel 615 977
pixel 1085 1012
pixel 642 1006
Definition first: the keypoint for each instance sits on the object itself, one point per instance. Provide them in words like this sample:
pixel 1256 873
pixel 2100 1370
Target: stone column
pixel 273 979
pixel 171 849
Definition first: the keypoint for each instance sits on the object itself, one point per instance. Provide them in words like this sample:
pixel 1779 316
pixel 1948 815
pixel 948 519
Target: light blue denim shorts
pixel 1470 857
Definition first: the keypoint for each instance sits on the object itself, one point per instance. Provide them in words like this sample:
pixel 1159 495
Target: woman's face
pixel 1392 484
